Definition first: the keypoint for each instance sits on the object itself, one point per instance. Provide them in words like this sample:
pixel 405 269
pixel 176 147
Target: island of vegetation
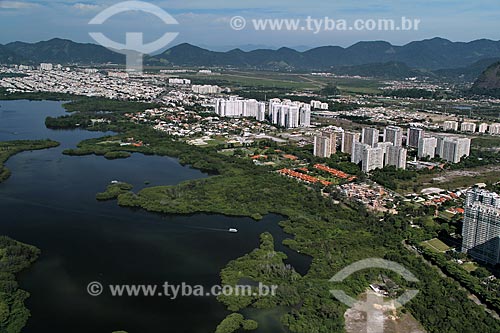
pixel 113 191
pixel 110 155
pixel 10 148
pixel 333 234
pixel 234 322
pixel 14 257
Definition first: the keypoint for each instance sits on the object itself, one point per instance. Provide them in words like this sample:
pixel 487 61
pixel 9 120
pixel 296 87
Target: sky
pixel 207 23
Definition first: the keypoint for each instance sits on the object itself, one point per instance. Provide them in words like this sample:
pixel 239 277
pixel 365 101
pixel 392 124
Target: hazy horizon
pixel 207 24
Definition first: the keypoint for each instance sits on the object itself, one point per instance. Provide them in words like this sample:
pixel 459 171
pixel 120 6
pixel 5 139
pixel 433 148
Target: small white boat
pixel 233 230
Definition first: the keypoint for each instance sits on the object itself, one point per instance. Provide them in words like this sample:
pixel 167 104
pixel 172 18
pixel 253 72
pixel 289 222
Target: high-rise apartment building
pixel 348 140
pixel 357 151
pixel 322 146
pixel 305 116
pixel 332 136
pixel 385 147
pixel 370 136
pixel 494 129
pixel 450 125
pixel 289 114
pixel 481 227
pixel 414 134
pixel 46 67
pixel 373 158
pixel 427 147
pixel 393 134
pixel 483 128
pixel 235 107
pixel 453 149
pixel 468 127
pixel 206 89
pixel 396 156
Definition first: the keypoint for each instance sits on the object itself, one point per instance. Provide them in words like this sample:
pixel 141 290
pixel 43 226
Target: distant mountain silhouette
pixel 469 73
pixel 64 51
pixel 431 54
pixel 9 57
pixel 439 55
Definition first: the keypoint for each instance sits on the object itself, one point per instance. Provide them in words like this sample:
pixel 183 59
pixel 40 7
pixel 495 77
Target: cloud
pixel 85 6
pixel 17 5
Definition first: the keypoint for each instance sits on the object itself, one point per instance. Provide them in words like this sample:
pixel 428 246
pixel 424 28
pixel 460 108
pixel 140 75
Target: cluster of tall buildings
pixel 284 113
pixel 179 81
pixel 364 148
pixel 325 143
pixel 481 226
pixel 469 127
pixel 374 154
pixel 236 108
pixel 319 105
pixel 371 158
pixel 289 114
pixel 380 155
pixel 367 148
pixel 206 89
pixel 46 67
pixel 451 149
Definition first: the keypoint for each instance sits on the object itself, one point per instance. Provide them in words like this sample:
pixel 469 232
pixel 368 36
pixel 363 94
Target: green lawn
pixel 446 216
pixel 486 142
pixel 469 266
pixel 435 245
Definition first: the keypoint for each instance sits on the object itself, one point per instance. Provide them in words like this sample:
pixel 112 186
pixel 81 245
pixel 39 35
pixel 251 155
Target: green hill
pixel 489 82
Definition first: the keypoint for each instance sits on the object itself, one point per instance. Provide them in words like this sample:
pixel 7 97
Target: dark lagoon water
pixel 49 202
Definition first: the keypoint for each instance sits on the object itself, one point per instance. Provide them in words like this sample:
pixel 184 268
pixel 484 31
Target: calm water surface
pixel 49 202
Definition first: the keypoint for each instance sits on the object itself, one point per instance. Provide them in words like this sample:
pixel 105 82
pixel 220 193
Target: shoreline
pixel 11 148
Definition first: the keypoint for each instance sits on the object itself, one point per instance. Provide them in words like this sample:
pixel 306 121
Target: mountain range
pixel 60 51
pixel 430 54
pixel 437 54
